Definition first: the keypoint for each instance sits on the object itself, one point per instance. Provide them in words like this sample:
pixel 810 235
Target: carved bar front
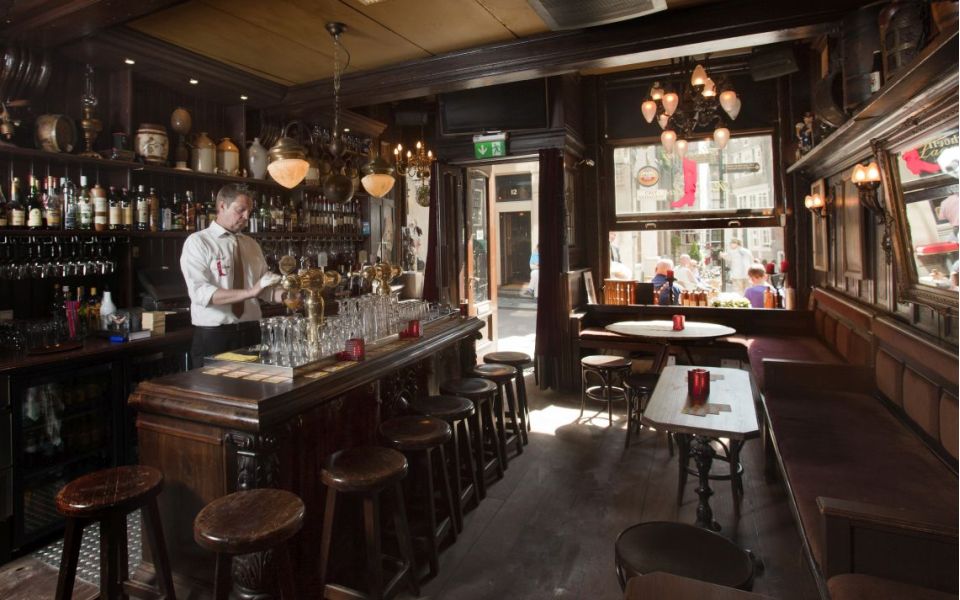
pixel 213 434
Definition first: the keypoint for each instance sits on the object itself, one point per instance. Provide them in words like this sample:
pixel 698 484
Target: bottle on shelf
pixel 276 214
pixel 17 210
pixel 34 206
pixel 85 207
pixel 116 211
pixel 143 210
pixel 876 72
pixel 166 214
pixel 266 221
pixel 211 208
pixel 52 205
pixel 93 310
pixel 176 213
pixel 127 208
pixel 253 225
pixel 291 217
pixel 107 309
pixel 189 213
pixel 101 206
pixel 201 214
pixel 81 313
pixel 4 210
pixel 71 208
pixel 153 206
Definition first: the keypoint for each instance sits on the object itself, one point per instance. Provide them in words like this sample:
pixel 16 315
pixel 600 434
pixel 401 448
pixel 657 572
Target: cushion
pixel 889 377
pixel 883 463
pixel 842 346
pixel 830 331
pixel 854 586
pixel 921 401
pixel 760 347
pixel 948 423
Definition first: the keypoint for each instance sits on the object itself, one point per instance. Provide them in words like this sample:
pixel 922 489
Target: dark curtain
pixel 550 320
pixel 431 290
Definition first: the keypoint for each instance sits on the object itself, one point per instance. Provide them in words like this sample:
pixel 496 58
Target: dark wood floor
pixel 547 530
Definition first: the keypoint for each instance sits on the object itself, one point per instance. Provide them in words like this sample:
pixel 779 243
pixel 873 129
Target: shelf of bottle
pixel 341 237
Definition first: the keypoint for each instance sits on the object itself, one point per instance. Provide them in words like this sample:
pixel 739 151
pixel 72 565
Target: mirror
pixel 921 184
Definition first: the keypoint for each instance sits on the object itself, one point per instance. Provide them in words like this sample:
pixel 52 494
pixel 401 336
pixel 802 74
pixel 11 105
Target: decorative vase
pixel 180 122
pixel 151 143
pixel 203 156
pixel 228 157
pixel 257 159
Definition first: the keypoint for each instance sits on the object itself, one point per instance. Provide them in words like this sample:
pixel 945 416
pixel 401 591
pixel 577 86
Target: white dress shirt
pixel 207 265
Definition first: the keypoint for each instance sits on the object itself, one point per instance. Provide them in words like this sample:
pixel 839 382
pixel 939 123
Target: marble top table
pixel 663 330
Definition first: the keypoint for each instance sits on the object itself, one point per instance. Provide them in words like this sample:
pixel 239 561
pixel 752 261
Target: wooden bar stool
pixel 422 439
pixel 482 393
pixel 503 377
pixel 366 472
pixel 606 368
pixel 519 361
pixel 248 522
pixel 638 387
pixel 108 496
pixel 456 411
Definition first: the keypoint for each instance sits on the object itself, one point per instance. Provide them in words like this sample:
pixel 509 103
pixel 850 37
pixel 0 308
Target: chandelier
pixel 699 103
pixel 414 163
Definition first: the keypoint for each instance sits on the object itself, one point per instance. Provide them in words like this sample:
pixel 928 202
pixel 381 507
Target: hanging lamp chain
pixel 336 84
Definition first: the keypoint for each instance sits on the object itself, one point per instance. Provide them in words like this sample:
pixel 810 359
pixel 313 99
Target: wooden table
pixel 728 387
pixel 665 585
pixel 662 332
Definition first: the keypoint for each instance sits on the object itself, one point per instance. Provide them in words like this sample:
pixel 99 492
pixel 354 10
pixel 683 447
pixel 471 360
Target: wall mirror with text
pixel 920 179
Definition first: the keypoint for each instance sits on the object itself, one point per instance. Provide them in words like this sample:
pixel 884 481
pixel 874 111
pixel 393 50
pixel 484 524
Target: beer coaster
pixel 235 374
pixel 256 376
pixel 215 371
pixel 276 379
pixel 338 366
pixel 316 374
pixel 723 407
pixel 716 376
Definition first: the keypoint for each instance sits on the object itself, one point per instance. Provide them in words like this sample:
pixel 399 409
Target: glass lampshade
pixel 288 172
pixel 728 100
pixel 859 174
pixel 873 172
pixel 670 102
pixel 668 138
pixel 808 201
pixel 378 184
pixel 709 88
pixel 721 135
pixel 699 76
pixel 656 92
pixel 649 110
pixel 681 148
pixel 663 120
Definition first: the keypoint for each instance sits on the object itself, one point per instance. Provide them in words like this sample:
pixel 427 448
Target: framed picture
pixel 591 289
pixel 821 240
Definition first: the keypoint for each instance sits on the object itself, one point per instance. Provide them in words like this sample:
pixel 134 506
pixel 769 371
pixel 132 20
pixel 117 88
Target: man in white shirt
pixel 738 260
pixel 225 273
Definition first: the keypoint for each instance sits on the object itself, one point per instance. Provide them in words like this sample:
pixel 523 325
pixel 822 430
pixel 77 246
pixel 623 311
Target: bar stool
pixel 605 368
pixel 418 437
pixel 503 376
pixel 366 472
pixel 482 393
pixel 639 387
pixel 519 361
pixel 108 496
pixel 456 411
pixel 249 522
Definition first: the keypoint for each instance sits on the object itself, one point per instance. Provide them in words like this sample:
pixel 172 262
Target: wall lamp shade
pixel 649 110
pixel 668 138
pixel 670 102
pixel 378 177
pixel 866 174
pixel 816 204
pixel 288 164
pixel 721 135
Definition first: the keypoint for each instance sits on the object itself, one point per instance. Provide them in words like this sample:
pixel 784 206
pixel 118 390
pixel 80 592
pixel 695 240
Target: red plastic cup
pixel 679 322
pixel 698 385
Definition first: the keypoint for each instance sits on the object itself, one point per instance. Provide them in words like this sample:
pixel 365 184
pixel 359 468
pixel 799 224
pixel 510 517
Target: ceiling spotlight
pixel 346 130
pixel 129 61
pixel 243 97
pixel 193 81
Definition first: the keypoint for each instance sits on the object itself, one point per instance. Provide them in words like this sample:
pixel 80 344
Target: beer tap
pixel 383 273
pixel 306 285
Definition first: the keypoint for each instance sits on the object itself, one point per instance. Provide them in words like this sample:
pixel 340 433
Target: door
pixel 515 247
pixel 480 294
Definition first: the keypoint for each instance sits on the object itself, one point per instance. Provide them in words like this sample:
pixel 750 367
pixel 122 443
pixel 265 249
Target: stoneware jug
pixel 228 157
pixel 151 143
pixel 257 159
pixel 203 155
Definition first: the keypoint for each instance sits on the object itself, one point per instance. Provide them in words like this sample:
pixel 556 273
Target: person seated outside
pixel 687 274
pixel 617 269
pixel 758 285
pixel 533 288
pixel 666 294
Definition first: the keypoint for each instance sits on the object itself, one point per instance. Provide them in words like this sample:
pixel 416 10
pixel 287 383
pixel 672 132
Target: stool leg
pixel 448 496
pixel 69 559
pixel 457 515
pixel 288 585
pixel 223 578
pixel 736 481
pixel 371 529
pixel 326 536
pixel 499 404
pixel 683 441
pixel 403 538
pixel 110 588
pixel 494 437
pixel 670 437
pixel 630 399
pixel 433 552
pixel 522 401
pixel 468 453
pixel 519 431
pixel 606 394
pixel 480 473
pixel 158 548
pixel 583 391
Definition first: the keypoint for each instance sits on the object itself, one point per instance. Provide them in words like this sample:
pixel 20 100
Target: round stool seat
pixel 684 550
pixel 514 359
pixel 363 469
pixel 495 373
pixel 120 489
pixel 473 388
pixel 249 521
pixel 448 408
pixel 415 432
pixel 637 381
pixel 602 361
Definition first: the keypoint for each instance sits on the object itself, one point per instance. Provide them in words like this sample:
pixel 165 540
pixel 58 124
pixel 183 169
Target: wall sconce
pixel 867 180
pixel 816 203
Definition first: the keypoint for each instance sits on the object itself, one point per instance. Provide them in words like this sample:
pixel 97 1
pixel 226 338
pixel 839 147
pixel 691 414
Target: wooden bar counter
pixel 213 434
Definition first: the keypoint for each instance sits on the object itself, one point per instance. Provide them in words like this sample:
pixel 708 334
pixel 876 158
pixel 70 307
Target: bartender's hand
pixel 268 280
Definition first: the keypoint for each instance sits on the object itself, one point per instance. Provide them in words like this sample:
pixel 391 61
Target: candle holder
pixel 355 350
pixel 698 385
pixel 679 322
pixel 90 124
pixel 413 329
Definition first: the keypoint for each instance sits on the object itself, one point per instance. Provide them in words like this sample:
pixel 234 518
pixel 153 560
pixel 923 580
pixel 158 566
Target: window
pixel 649 181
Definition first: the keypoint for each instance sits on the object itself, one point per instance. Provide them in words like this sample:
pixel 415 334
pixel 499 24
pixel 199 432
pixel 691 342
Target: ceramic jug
pixel 257 159
pixel 228 157
pixel 151 143
pixel 203 155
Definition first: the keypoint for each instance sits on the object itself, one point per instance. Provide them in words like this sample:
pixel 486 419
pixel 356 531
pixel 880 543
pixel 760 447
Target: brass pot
pixel 55 133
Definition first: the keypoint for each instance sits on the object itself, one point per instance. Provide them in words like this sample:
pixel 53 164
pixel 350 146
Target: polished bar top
pixel 252 405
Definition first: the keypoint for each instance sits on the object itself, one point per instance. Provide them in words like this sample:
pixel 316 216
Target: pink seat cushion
pixel 853 586
pixel 804 348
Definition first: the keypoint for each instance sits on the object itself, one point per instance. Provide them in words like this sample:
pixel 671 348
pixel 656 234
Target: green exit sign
pixel 490 146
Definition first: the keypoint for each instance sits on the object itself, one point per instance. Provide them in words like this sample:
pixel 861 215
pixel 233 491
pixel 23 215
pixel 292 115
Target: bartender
pixel 226 273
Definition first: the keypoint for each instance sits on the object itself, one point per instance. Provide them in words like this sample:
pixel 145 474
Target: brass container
pixel 55 133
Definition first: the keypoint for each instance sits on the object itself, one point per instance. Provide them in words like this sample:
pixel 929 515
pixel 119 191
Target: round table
pixel 662 331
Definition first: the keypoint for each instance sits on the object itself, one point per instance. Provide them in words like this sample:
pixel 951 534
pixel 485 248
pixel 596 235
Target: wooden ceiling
pixel 285 41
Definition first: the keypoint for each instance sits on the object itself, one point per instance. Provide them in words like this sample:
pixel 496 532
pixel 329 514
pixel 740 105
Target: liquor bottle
pixel 166 214
pixel 189 213
pixel 116 211
pixel 153 205
pixel 211 208
pixel 176 213
pixel 17 210
pixel 253 225
pixel 107 309
pixel 290 217
pixel 768 301
pixel 876 72
pixel 52 205
pixel 56 301
pixel 143 210
pixel 93 310
pixel 4 210
pixel 81 313
pixel 34 206
pixel 71 209
pixel 276 212
pixel 266 222
pixel 127 207
pixel 101 206
pixel 201 214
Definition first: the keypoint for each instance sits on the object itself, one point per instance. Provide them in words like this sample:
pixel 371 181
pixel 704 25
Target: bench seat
pixel 802 348
pixel 854 586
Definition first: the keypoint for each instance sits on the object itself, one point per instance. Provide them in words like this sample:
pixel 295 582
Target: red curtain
pixel 550 320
